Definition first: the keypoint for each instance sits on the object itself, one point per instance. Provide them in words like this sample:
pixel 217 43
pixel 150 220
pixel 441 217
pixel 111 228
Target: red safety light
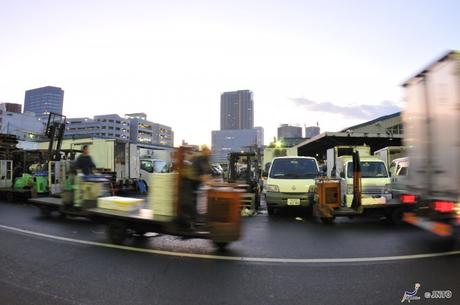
pixel 444 206
pixel 407 198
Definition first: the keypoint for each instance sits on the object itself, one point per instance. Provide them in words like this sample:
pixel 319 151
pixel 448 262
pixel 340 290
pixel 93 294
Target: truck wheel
pixel 395 216
pixel 45 212
pixel 222 246
pixel 117 232
pixel 327 220
pixel 271 211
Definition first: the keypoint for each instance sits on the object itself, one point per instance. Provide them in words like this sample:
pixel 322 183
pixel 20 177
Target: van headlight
pixel 387 189
pixel 273 188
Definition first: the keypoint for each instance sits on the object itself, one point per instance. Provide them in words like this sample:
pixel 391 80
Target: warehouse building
pixel 378 133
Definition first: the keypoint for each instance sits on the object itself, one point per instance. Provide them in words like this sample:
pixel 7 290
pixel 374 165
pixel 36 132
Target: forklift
pixel 67 193
pixel 244 170
pixel 222 221
pixel 328 200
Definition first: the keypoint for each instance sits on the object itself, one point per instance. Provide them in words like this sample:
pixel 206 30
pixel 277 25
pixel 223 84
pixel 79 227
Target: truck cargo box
pixel 432 129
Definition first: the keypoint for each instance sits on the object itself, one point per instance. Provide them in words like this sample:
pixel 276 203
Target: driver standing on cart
pixel 196 173
pixel 85 162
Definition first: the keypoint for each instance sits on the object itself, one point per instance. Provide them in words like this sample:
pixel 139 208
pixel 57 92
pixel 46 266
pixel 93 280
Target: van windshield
pixel 369 169
pixel 294 168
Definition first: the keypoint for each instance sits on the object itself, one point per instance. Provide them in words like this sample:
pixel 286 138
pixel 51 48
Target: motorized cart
pixel 329 203
pixel 163 213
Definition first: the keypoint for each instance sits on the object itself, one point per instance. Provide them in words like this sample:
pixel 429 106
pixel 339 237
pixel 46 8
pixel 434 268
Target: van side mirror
pixel 342 175
pixel 264 174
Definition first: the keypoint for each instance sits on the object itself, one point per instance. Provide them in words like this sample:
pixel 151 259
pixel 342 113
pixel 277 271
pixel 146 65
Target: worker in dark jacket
pixel 197 172
pixel 84 162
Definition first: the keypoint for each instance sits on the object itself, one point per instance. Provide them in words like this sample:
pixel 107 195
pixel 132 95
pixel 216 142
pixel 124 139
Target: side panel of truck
pixel 271 153
pixel 415 129
pixel 134 163
pixel 330 161
pixel 390 153
pixel 444 98
pixel 432 127
pixel 384 155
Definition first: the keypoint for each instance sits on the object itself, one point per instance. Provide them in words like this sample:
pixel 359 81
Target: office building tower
pixel 237 110
pixel 286 131
pixel 42 101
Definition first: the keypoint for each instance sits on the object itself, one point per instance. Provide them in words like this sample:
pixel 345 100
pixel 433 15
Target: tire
pixel 117 232
pixel 10 197
pixel 221 246
pixel 45 212
pixel 309 211
pixel 327 220
pixel 396 216
pixel 271 211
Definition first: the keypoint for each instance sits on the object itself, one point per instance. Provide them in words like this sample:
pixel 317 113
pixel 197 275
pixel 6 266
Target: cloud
pixel 357 111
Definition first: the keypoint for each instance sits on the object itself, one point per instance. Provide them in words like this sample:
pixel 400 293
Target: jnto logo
pixel 411 295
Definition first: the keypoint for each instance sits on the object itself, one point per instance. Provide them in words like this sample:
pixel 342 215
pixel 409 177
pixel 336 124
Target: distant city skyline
pixel 338 63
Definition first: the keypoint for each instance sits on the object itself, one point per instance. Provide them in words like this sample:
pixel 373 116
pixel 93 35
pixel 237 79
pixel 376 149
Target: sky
pixel 332 63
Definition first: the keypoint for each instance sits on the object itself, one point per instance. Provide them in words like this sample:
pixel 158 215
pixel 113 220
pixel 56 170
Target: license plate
pixel 293 202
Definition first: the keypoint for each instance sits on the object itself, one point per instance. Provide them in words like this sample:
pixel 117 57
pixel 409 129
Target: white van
pixel 399 170
pixel 150 166
pixel 291 182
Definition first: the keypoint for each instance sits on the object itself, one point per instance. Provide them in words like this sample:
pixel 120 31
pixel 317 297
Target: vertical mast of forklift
pixel 356 203
pixel 55 132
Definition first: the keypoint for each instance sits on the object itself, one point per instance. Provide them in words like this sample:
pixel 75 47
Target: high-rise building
pixel 286 131
pixel 311 131
pixel 234 140
pixel 237 110
pixel 42 101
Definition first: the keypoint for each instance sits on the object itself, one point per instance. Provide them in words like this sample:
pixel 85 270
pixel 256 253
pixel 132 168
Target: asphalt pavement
pixel 42 270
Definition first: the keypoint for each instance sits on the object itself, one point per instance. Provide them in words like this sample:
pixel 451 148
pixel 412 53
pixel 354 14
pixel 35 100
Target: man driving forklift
pixel 197 171
pixel 85 162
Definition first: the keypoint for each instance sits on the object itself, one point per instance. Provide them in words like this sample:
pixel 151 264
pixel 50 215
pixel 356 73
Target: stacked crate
pixel 163 194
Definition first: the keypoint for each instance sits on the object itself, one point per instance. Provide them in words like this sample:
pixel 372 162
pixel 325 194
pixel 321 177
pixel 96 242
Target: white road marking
pixel 239 258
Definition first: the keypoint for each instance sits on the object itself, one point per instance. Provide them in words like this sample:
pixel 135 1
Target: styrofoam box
pixel 162 195
pixel 124 204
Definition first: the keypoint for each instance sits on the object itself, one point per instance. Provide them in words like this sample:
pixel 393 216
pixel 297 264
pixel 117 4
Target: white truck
pixel 431 121
pixel 390 153
pixel 129 162
pixel 291 182
pixel 375 180
pixel 269 154
pixel 273 152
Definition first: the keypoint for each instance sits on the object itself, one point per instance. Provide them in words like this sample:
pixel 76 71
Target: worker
pixel 196 173
pixel 84 162
pixel 17 172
